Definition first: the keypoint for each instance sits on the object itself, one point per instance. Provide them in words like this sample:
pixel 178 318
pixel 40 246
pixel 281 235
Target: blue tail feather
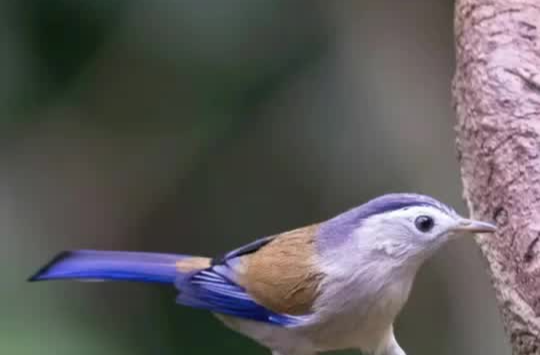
pixel 212 288
pixel 111 265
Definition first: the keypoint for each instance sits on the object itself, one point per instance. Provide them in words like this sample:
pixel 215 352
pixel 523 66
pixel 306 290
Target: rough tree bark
pixel 497 99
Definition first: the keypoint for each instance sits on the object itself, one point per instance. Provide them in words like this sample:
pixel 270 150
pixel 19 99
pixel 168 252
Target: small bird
pixel 334 285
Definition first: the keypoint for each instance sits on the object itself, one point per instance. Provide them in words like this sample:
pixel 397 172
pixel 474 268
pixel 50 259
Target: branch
pixel 497 100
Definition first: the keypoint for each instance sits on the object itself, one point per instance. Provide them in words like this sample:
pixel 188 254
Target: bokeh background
pixel 197 126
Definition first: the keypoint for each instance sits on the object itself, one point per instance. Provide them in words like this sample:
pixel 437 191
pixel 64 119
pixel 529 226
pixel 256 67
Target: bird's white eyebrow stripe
pixel 335 230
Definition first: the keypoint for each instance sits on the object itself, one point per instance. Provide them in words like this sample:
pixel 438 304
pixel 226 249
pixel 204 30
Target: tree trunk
pixel 497 100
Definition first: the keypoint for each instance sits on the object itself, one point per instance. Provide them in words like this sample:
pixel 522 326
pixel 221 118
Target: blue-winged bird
pixel 334 285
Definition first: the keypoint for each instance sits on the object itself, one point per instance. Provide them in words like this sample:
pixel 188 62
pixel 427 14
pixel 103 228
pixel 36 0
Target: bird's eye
pixel 424 223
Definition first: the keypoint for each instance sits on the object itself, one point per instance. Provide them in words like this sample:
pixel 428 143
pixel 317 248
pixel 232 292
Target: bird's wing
pixel 272 280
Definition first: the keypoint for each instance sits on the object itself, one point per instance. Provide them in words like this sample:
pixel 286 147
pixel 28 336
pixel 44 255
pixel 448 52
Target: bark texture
pixel 497 99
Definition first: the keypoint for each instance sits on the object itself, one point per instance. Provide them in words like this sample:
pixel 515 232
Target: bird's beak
pixel 469 225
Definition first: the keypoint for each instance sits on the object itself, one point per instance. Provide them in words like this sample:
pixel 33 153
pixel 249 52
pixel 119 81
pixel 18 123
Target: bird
pixel 337 284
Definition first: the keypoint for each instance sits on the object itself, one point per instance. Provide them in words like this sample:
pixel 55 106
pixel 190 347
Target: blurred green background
pixel 197 126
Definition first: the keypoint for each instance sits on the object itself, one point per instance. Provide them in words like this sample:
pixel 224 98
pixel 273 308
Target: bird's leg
pixel 393 347
pixel 397 350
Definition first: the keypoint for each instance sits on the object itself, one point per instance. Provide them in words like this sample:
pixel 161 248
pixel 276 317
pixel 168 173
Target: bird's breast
pixel 358 311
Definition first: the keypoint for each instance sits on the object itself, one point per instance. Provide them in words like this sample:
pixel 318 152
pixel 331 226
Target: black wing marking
pixel 243 250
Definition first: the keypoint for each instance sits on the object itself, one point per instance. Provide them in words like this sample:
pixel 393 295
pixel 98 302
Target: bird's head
pixel 403 227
